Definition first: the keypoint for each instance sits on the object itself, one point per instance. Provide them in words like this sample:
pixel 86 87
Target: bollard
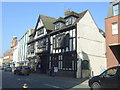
pixel 25 86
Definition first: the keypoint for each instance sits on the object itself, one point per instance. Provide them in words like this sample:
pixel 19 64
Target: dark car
pixel 8 69
pixel 110 78
pixel 25 70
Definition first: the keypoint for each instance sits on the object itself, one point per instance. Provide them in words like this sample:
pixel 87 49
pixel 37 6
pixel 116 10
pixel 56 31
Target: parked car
pixel 25 70
pixel 110 78
pixel 1 68
pixel 8 69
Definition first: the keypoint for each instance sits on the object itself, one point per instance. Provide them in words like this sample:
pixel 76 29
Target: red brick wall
pixel 111 39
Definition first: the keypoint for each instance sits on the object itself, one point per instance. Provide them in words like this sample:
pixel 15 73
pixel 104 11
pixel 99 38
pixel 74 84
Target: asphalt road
pixel 9 80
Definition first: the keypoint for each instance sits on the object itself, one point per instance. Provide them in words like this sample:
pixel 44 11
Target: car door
pixel 109 79
pixel 118 74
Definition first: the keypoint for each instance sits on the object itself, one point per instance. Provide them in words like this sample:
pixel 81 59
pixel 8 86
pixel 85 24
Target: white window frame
pixel 114 28
pixel 115 9
pixel 57 26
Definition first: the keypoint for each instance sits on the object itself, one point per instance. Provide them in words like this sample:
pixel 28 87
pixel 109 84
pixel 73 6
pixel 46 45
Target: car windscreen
pixel 25 67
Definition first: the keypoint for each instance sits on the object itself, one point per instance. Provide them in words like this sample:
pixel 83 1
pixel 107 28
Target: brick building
pixel 8 56
pixel 112 25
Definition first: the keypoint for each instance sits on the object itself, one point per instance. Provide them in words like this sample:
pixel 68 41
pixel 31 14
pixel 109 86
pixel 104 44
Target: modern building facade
pixel 15 56
pixel 73 44
pixel 1 61
pixel 112 24
pixel 8 56
pixel 20 51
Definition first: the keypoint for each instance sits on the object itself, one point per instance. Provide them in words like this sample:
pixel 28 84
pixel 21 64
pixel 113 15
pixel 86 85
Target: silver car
pixel 25 70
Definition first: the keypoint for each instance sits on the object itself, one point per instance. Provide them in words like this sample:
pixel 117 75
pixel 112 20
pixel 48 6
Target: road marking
pixel 52 86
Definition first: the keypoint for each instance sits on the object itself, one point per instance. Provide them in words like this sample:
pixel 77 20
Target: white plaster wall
pixel 40 24
pixel 15 55
pixel 22 47
pixel 90 44
pixel 1 61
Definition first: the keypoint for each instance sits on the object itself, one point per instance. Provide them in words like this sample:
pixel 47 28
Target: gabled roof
pixel 71 13
pixel 60 19
pixel 80 16
pixel 102 32
pixel 48 22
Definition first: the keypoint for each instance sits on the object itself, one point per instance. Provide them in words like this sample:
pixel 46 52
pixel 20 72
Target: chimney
pixel 67 12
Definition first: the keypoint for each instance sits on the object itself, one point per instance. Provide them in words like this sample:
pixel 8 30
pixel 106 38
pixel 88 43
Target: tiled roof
pixel 72 13
pixel 48 22
pixel 102 32
pixel 60 19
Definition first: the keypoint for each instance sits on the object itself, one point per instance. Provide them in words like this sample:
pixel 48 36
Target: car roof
pixel 8 67
pixel 23 66
pixel 114 67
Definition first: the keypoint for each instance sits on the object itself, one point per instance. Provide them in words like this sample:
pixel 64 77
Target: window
pixel 57 26
pixel 30 38
pixel 73 19
pixel 40 31
pixel 54 45
pixel 67 39
pixel 115 9
pixel 41 44
pixel 60 41
pixel 69 21
pixel 32 48
pixel 115 28
pixel 67 61
pixel 110 72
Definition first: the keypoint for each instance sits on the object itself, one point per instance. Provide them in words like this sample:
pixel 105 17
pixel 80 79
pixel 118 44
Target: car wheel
pixel 96 86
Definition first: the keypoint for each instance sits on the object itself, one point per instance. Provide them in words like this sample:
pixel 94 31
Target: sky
pixel 18 17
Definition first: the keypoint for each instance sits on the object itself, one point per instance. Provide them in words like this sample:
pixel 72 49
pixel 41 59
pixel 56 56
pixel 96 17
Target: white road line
pixel 51 86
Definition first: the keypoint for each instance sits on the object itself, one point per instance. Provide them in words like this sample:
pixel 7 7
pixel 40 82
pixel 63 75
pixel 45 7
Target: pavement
pixel 82 85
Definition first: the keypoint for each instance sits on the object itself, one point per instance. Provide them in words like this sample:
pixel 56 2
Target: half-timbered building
pixel 77 46
pixel 72 44
pixel 39 43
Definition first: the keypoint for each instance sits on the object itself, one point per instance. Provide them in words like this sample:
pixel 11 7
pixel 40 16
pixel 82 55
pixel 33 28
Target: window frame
pixel 41 44
pixel 57 26
pixel 114 29
pixel 68 21
pixel 115 10
pixel 105 73
pixel 39 31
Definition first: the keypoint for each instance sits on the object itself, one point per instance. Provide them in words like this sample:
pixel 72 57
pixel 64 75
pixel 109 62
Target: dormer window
pixel 40 31
pixel 70 20
pixel 57 26
pixel 115 9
